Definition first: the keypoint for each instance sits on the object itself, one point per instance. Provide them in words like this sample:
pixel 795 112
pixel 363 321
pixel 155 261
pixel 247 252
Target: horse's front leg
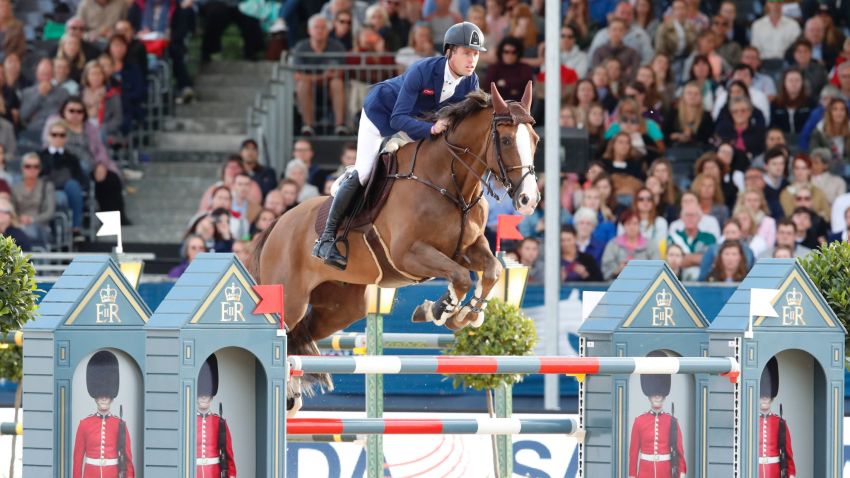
pixel 426 261
pixel 480 260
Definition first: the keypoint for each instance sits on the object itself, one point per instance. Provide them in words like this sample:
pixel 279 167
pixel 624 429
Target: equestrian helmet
pixel 464 34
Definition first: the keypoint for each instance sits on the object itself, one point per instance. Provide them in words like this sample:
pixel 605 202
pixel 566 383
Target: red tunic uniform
pixel 96 448
pixel 649 447
pixel 206 452
pixel 769 447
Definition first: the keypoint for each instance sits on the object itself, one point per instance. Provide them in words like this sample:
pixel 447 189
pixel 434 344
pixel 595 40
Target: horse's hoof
pixel 422 313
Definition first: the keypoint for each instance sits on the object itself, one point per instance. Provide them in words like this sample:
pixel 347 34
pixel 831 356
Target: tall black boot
pixel 326 248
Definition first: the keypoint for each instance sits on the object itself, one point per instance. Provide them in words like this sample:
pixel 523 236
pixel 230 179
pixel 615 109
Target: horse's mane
pixel 473 103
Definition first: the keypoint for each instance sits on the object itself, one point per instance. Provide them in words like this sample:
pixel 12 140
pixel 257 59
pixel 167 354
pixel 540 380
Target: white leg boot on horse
pixel 480 260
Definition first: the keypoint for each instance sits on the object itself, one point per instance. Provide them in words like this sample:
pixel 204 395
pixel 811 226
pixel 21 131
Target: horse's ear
pixel 499 105
pixel 526 97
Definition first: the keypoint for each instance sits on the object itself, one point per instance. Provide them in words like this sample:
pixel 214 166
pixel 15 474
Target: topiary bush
pixel 17 302
pixel 829 268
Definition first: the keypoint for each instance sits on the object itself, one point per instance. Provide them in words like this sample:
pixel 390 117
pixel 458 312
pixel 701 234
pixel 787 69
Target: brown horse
pixel 431 226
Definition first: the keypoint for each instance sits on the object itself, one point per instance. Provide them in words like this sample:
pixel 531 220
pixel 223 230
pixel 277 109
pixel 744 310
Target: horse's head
pixel 515 142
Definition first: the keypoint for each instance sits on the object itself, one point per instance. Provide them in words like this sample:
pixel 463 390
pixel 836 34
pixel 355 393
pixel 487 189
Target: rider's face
pixel 463 61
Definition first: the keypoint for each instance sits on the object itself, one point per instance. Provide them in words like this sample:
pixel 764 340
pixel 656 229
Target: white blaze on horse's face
pixel 528 196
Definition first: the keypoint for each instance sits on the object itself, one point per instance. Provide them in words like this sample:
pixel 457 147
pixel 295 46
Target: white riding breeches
pixel 369 141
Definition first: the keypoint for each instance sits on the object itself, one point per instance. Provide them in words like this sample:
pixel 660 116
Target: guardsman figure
pixel 102 445
pixel 775 460
pixel 214 450
pixel 652 453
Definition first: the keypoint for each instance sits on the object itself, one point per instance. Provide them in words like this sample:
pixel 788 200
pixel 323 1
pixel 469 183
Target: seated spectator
pixel 827 94
pixel 692 240
pixel 62 76
pixel 296 170
pixel 832 185
pixel 85 50
pixel 100 16
pixel 811 229
pixel 662 171
pixel 774 180
pixel 227 227
pixel 606 95
pixel 705 47
pixel 63 169
pixel 635 36
pixel 585 221
pixel 740 86
pixel 202 225
pixel 749 234
pixel 571 55
pixel 575 265
pixel 341 29
pixel 752 201
pixel 665 82
pixel 638 91
pixel 627 246
pixel 773 138
pixel 792 106
pixel 741 129
pixel 732 167
pixel 675 37
pixel 652 226
pixel 655 99
pixel 218 16
pixel 419 47
pixel 137 54
pixel 70 49
pixel 12 38
pixel 308 82
pixel 5 175
pixel 242 206
pixel 645 134
pixel 773 33
pixel 367 46
pixel 764 83
pixel 14 80
pixel 7 137
pixel 783 252
pixel 786 236
pixel 130 77
pixel 243 251
pixel 34 201
pixel 615 48
pixel 689 123
pixel 83 141
pixel 274 202
pixel 727 47
pixel 232 166
pixel 103 105
pixel 40 101
pixel 801 192
pixel 595 126
pixel 528 254
pixel 289 191
pixel 844 234
pixel 523 26
pixel 193 245
pixel 8 225
pixel 814 33
pixel 443 17
pixel 616 80
pixel 378 18
pixel 605 228
pixel 508 73
pixel 710 196
pixel 813 70
pixel 576 13
pixel 732 231
pixel 624 163
pixel 833 132
pixel 608 195
pixel 675 257
pixel 264 221
pixel 265 177
pixel 730 264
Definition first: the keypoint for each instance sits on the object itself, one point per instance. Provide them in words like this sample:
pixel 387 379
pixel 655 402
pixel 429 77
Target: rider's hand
pixel 440 126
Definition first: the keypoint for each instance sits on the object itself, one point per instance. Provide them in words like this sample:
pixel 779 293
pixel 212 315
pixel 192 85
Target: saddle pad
pixel 376 193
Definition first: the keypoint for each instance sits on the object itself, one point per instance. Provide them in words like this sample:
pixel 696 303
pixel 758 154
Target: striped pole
pixel 325 438
pixel 16 337
pixel 514 364
pixel 356 341
pixel 11 428
pixel 419 426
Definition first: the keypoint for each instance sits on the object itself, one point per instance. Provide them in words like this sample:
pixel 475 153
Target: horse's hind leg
pixel 336 305
pixel 425 261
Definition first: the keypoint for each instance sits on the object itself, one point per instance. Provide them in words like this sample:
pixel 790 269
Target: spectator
pixel 130 78
pixel 379 19
pixel 100 16
pixel 264 177
pixel 662 171
pixel 727 48
pixel 303 150
pixel 4 174
pixel 528 254
pixel 241 205
pixel 656 98
pixel 700 73
pixel 792 107
pixel 12 75
pixel 595 126
pixel 420 47
pixel 833 132
pixel 730 265
pixel 760 81
pixel 615 48
pixel 811 229
pixel 645 134
pixel 309 53
pixel 831 184
pixel 632 36
pixel 665 81
pixel 584 95
pixel 707 222
pixel 605 228
pixel 398 22
pixel 12 38
pixel 738 32
pixel 624 163
pixel 243 251
pixel 289 191
pixel 182 25
pixel 523 27
pixel 608 195
pixel 263 222
pixel 62 78
pixel 497 19
pixel 774 179
pixel 443 17
pixel 585 221
pixel 710 196
pixel 34 201
pixel 814 71
pixel 652 226
pixel 218 15
pixel 689 123
pixel 8 225
pixel 63 169
pixel 732 166
pixel 508 73
pixel 571 55
pixel 733 230
pixel 627 246
pixel 801 191
pixel 844 234
pixel 741 129
pixel 741 86
pixel 773 33
pixel 40 101
pixel 274 202
pixel 193 245
pixel 578 14
pixel 70 49
pixel 342 31
pixel 705 47
pixel 645 17
pixel 827 94
pixel 646 106
pixel 749 234
pixel 232 166
pixel 103 105
pixel 225 224
pixel 606 95
pixel 675 257
pixel 136 52
pixel 676 37
pixel 7 137
pixel 75 28
pixel 692 240
pixel 814 33
pixel 576 265
pixel 347 158
pixel 296 170
pixel 774 138
pixel 786 236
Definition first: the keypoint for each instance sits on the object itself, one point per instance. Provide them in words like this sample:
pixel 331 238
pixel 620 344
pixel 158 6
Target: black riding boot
pixel 326 248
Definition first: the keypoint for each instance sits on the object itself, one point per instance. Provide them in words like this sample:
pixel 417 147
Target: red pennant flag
pixel 506 228
pixel 271 300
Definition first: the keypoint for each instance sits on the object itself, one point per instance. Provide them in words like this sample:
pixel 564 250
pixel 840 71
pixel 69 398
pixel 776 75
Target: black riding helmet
pixel 464 34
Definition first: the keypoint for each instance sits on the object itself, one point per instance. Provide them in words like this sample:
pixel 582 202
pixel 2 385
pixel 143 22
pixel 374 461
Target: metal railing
pixel 271 120
pixel 51 265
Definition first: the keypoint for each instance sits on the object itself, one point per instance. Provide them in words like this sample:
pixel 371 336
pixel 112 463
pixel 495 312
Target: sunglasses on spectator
pixel 31 166
pixel 57 134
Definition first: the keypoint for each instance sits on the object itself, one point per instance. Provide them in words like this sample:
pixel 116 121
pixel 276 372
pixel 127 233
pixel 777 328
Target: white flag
pixel 111 223
pixel 760 300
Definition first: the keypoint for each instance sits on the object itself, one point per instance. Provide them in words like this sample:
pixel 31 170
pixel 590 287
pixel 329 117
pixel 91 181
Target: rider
pixel 393 107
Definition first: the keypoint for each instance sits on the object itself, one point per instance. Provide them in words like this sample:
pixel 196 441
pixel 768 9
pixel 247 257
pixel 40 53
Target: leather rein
pixel 457 198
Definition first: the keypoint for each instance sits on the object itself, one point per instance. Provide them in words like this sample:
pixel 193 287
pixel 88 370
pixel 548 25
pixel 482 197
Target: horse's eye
pixel 506 141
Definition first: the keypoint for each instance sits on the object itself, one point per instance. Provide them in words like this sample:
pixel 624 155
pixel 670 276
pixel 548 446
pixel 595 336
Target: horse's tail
pixel 299 341
pixel 259 243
